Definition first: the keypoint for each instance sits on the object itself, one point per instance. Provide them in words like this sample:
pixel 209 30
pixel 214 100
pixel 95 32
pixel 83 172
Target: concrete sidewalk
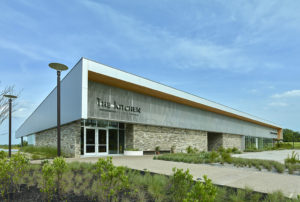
pixel 275 155
pixel 266 182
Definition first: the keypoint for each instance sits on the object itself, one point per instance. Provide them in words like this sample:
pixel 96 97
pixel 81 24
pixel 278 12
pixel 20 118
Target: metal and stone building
pixel 105 110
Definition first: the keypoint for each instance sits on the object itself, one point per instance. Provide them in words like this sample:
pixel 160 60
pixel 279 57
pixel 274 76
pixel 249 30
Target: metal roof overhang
pixel 205 105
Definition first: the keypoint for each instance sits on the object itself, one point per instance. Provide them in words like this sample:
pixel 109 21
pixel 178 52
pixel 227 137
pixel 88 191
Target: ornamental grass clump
pixel 293 159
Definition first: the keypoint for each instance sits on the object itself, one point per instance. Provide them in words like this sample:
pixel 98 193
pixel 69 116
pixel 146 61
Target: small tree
pixel 4 102
pixel 20 164
pixel 48 186
pixel 59 166
pixel 181 184
pixel 112 179
pixel 5 176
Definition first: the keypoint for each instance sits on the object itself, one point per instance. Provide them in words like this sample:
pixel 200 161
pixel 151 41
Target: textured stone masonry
pixel 148 137
pixel 70 138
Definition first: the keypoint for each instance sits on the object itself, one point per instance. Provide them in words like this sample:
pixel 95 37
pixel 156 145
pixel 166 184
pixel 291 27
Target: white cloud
pixel 278 104
pixel 287 94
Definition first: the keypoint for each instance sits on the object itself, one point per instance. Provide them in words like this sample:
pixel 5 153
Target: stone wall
pixel 230 141
pixel 148 137
pixel 70 138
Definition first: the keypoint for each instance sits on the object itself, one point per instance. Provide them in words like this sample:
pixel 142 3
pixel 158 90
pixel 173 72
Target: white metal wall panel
pixel 115 73
pixel 45 115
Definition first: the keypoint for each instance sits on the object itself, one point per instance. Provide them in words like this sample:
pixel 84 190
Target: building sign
pixel 113 107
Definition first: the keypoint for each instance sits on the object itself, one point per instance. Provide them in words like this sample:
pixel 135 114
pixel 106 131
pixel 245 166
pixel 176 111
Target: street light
pixel 58 67
pixel 10 97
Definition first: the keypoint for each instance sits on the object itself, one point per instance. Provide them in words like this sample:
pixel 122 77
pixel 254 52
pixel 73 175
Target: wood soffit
pixel 100 78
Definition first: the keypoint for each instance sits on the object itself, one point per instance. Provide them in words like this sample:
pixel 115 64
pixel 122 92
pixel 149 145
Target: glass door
pixel 102 141
pixel 90 139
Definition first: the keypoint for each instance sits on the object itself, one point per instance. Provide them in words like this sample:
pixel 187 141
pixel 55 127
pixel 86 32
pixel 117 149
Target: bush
pixel 59 166
pixel 5 176
pixel 181 184
pixel 110 180
pixel 202 192
pixel 20 164
pixel 3 154
pixel 191 150
pixel 213 156
pixel 226 157
pixel 48 186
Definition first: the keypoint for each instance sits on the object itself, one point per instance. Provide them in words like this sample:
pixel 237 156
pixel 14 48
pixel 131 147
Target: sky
pixel 243 54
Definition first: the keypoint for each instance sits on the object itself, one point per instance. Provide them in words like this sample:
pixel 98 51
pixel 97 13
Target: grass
pixel 81 180
pixel 41 152
pixel 297 144
pixel 223 157
pixel 14 146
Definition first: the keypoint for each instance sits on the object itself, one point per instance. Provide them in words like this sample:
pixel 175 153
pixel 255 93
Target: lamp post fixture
pixel 10 97
pixel 58 67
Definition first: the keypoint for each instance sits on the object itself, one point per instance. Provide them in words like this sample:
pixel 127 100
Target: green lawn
pixel 297 144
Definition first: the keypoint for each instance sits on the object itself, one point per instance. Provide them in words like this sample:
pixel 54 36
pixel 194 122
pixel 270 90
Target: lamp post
pixel 10 97
pixel 58 67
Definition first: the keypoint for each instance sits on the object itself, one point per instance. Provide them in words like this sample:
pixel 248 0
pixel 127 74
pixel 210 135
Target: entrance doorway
pixel 102 141
pixel 96 141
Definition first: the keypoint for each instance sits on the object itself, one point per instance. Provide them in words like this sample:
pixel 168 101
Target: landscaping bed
pixel 102 181
pixel 223 157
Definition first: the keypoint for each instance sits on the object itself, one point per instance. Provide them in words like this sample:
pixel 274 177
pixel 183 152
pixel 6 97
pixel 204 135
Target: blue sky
pixel 243 54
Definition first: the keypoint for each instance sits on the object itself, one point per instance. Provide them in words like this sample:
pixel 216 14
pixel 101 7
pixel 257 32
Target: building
pixel 105 110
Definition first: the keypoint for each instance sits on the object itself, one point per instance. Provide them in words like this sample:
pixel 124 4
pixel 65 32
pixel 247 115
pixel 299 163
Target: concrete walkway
pixel 276 155
pixel 266 182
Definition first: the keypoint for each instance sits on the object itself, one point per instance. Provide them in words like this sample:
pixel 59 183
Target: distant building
pixel 105 110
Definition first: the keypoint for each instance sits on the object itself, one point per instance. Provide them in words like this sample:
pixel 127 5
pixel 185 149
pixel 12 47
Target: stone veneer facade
pixel 147 137
pixel 230 141
pixel 216 140
pixel 70 138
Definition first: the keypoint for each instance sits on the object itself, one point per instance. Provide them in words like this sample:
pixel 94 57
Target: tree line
pixel 289 134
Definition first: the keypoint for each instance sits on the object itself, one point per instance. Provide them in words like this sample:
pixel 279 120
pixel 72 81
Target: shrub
pixel 221 149
pixel 213 156
pixel 5 176
pixel 181 184
pixel 3 154
pixel 59 166
pixel 111 179
pixel 226 157
pixel 202 192
pixel 191 150
pixel 20 164
pixel 48 186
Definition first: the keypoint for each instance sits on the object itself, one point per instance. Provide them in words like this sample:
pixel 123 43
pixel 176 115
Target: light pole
pixel 10 97
pixel 58 67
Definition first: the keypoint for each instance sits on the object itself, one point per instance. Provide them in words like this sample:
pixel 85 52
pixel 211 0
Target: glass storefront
pixel 258 142
pixel 100 137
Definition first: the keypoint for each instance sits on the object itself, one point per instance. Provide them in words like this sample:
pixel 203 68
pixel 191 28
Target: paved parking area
pixel 276 155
